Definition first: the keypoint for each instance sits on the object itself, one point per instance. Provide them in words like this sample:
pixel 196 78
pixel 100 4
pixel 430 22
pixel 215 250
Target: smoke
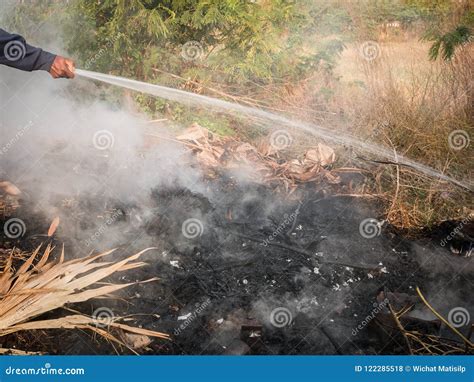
pixel 267 118
pixel 94 165
pixel 57 149
pixel 76 154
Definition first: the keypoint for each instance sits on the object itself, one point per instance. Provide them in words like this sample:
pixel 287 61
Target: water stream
pixel 267 118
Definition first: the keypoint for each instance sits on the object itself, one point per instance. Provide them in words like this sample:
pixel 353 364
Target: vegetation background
pixel 396 72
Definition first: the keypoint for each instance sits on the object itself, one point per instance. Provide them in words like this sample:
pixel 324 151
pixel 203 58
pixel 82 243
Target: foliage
pixel 242 36
pixel 285 55
pixel 324 58
pixel 451 29
pixel 446 44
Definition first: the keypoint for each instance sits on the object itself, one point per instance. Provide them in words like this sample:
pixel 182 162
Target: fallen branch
pixel 401 328
pixel 18 352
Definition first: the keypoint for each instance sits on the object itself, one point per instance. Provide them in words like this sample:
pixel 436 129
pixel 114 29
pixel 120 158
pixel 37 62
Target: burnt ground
pixel 232 290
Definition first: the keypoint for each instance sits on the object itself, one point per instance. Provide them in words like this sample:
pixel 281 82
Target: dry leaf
pixel 332 178
pixel 193 133
pixel 38 288
pixel 261 162
pixel 53 227
pixel 18 352
pixel 136 341
pixel 323 155
pixel 207 158
pixel 10 188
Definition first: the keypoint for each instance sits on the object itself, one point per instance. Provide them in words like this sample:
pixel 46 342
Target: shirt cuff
pixel 46 61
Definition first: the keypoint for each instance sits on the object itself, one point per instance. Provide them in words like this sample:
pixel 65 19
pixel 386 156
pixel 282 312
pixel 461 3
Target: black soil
pixel 257 253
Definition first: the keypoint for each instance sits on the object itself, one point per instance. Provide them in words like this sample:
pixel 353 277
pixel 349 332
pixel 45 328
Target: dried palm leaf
pixel 53 227
pixel 14 253
pixel 4 351
pixel 37 288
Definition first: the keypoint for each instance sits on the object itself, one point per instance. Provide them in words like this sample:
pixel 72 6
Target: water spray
pixel 192 99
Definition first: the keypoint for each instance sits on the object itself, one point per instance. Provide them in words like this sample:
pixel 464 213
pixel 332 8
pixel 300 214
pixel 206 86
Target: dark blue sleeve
pixel 15 52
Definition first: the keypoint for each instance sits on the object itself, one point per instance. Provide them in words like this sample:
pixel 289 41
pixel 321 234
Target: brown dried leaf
pixel 34 290
pixel 53 227
pixel 194 133
pixel 322 155
pixel 10 188
pixel 332 178
pixel 136 341
pixel 77 321
pixel 207 158
pixel 18 352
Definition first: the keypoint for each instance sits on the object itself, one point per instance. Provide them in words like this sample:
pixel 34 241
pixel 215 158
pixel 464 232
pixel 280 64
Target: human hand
pixel 62 68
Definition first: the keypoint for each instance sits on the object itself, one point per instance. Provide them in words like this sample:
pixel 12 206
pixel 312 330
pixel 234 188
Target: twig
pixel 368 196
pixel 309 254
pixel 453 329
pixel 389 162
pixel 417 339
pixel 18 352
pixel 157 120
pixel 398 183
pixel 401 328
pixel 243 100
pixel 174 140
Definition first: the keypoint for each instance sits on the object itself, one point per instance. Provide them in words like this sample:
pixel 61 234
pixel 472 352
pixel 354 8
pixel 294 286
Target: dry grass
pixel 411 105
pixel 428 344
pixel 402 101
pixel 42 285
pixel 7 206
pixel 406 103
pixel 13 255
